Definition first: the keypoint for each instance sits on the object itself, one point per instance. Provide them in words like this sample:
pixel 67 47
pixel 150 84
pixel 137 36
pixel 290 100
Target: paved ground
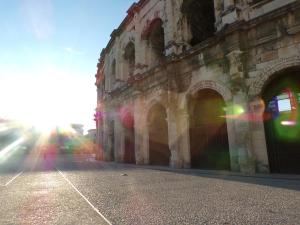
pixel 76 190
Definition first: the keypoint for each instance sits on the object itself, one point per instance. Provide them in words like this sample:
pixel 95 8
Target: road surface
pixel 69 189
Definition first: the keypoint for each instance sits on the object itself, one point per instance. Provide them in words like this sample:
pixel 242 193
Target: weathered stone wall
pixel 253 42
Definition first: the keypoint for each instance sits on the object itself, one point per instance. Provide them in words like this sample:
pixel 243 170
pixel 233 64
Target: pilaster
pixel 119 140
pixel 243 145
pixel 175 160
pixel 140 127
pixel 184 137
pixel 176 28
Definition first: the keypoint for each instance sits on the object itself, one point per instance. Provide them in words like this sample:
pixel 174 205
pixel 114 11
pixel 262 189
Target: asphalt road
pixel 66 189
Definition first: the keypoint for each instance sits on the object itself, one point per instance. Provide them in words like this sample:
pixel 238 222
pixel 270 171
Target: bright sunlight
pixel 48 100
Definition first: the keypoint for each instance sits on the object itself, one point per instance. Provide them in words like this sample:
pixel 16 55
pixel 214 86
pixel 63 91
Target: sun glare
pixel 45 101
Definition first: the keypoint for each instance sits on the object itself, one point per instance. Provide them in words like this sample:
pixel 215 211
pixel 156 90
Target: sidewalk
pixel 210 172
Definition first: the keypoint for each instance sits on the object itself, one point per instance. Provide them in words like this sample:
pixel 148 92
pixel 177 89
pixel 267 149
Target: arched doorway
pixel 159 152
pixel 282 122
pixel 128 126
pixel 208 131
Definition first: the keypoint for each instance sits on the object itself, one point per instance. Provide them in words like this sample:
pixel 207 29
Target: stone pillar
pixel 107 144
pixel 242 129
pixel 173 138
pixel 257 108
pixel 184 138
pixel 119 140
pixel 139 48
pixel 99 142
pixel 140 127
pixel 243 135
pixel 233 150
pixel 118 57
pixel 176 28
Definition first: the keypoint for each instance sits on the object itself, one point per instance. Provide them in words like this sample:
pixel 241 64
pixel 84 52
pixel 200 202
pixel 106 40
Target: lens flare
pixel 288 123
pixel 126 117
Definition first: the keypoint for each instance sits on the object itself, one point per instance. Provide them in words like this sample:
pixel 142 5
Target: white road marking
pixel 93 207
pixel 15 177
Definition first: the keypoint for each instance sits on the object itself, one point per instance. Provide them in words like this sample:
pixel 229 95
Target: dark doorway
pixel 282 122
pixel 159 152
pixel 128 125
pixel 208 131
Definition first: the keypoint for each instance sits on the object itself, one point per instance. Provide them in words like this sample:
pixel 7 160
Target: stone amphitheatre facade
pixel 187 84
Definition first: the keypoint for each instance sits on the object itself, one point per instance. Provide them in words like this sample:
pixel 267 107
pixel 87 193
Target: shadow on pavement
pixel 291 182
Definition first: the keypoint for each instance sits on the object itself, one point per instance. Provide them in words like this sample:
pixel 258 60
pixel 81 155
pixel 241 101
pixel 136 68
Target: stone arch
pixel 156 99
pixel 210 84
pixel 128 37
pixel 276 67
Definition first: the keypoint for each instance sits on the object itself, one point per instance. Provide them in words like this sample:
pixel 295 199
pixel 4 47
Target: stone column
pixel 119 145
pixel 173 138
pixel 243 134
pixel 242 128
pixel 257 108
pixel 184 138
pixel 118 57
pixel 107 144
pixel 99 142
pixel 140 131
pixel 176 28
pixel 138 43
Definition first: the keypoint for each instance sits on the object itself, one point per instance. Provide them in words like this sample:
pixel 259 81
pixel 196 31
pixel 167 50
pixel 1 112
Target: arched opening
pixel 129 57
pixel 128 126
pixel 208 131
pixel 113 69
pixel 159 152
pixel 113 73
pixel 201 19
pixel 155 36
pixel 282 122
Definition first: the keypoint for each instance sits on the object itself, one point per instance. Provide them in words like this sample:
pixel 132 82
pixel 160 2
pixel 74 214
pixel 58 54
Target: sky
pixel 48 56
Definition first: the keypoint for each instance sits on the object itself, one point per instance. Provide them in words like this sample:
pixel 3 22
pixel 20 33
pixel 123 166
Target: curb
pixel 211 172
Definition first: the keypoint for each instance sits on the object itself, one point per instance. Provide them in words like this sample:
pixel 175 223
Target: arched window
pixel 201 19
pixel 113 68
pixel 113 72
pixel 129 57
pixel 156 37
